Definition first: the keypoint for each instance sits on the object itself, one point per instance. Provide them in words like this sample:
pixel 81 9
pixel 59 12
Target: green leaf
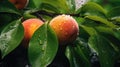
pixel 59 4
pixel 102 20
pixel 70 55
pixel 114 14
pixel 79 20
pixel 28 14
pixel 71 5
pixel 111 34
pixel 96 1
pixel 89 30
pixel 50 8
pixel 105 51
pixel 6 6
pixel 115 32
pixel 10 37
pixel 92 8
pixel 63 6
pixel 31 4
pixel 117 19
pixel 79 54
pixel 43 47
pixel 37 3
pixel 6 18
pixel 114 3
pixel 83 51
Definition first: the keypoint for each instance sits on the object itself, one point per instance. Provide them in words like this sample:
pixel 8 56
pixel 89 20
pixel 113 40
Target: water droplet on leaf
pixel 40 42
pixel 4 45
pixel 12 27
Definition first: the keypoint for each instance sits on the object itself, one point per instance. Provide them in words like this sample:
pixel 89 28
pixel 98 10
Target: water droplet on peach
pixel 59 24
pixel 61 29
pixel 73 26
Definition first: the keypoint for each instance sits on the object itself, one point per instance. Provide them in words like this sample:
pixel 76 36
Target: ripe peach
pixel 30 26
pixel 20 4
pixel 66 28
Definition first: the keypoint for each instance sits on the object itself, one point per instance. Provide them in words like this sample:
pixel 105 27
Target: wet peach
pixel 66 28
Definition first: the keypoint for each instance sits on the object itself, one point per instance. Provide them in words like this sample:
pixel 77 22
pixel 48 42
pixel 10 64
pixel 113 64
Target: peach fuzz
pixel 66 28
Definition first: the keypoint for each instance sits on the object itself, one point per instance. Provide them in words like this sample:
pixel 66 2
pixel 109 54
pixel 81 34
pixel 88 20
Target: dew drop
pixel 39 36
pixel 40 42
pixel 4 36
pixel 4 45
pixel 43 48
pixel 54 27
pixel 45 39
pixel 118 28
pixel 66 33
pixel 64 22
pixel 59 24
pixel 73 26
pixel 12 27
pixel 61 29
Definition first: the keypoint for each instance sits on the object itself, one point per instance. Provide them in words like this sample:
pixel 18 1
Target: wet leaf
pixel 114 14
pixel 92 8
pixel 43 47
pixel 102 20
pixel 10 37
pixel 105 51
pixel 79 54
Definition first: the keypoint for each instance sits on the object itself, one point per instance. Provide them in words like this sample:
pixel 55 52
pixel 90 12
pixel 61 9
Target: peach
pixel 20 4
pixel 66 28
pixel 30 26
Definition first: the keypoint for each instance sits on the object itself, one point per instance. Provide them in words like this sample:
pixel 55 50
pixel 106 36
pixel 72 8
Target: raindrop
pixel 40 42
pixel 118 28
pixel 54 27
pixel 73 26
pixel 4 36
pixel 45 39
pixel 43 48
pixel 12 27
pixel 61 29
pixel 66 33
pixel 64 22
pixel 59 24
pixel 39 36
pixel 4 45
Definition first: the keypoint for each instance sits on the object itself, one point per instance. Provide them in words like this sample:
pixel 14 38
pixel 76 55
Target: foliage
pixel 99 32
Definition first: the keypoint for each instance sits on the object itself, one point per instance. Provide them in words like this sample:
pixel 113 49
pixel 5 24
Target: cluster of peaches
pixel 65 26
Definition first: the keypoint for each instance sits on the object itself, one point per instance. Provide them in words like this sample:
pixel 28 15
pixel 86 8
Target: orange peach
pixel 30 26
pixel 20 4
pixel 66 28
